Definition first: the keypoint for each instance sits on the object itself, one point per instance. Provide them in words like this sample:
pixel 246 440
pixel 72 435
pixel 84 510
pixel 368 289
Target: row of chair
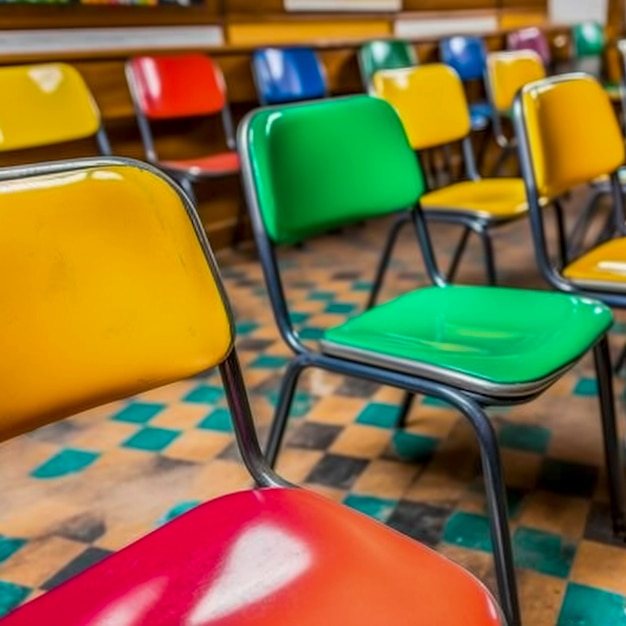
pixel 264 556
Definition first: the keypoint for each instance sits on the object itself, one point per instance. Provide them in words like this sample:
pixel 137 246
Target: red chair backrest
pixel 177 86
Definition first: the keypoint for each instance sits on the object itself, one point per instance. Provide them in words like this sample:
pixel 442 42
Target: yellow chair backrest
pixel 571 132
pixel 108 289
pixel 430 101
pixel 44 104
pixel 508 72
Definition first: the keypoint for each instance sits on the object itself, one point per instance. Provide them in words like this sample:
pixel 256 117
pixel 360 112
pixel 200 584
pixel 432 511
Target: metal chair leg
pixel 560 227
pixel 497 509
pixel 490 265
pixel 281 415
pixel 611 437
pixel 405 409
pixel 383 264
pixel 583 219
pixel 458 253
pixel 621 361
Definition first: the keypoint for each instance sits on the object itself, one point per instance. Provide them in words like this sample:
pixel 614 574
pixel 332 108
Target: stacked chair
pixel 272 555
pixel 449 342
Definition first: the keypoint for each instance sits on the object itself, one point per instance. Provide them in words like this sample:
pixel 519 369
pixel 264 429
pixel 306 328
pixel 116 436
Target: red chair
pixel 156 312
pixel 176 87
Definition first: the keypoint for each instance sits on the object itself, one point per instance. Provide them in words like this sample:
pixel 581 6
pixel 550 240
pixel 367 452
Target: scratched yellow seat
pixel 506 73
pixel 47 104
pixel 569 136
pixel 431 102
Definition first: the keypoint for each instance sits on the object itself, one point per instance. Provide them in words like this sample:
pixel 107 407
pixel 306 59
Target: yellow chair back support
pixel 429 99
pixel 508 72
pixel 44 104
pixel 571 131
pixel 108 289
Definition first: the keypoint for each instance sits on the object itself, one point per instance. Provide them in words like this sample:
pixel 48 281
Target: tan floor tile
pixel 296 464
pixel 540 597
pixel 217 478
pixel 336 410
pixel 521 469
pixel 170 393
pixel 198 445
pixel 333 494
pixel 436 487
pixel 556 514
pixel 385 479
pixel 104 435
pixel 361 441
pixel 181 416
pixel 597 565
pixel 36 517
pixel 38 560
pixel 434 423
pixel 478 563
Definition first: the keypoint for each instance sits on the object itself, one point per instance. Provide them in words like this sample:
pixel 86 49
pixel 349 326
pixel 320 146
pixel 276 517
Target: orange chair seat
pixel 221 164
pixel 275 557
pixel 493 199
pixel 602 267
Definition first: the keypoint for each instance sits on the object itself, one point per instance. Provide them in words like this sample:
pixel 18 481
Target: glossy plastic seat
pixel 444 341
pixel 531 38
pixel 431 103
pixel 156 312
pixel 182 86
pixel 467 55
pixel 384 54
pixel 47 104
pixel 507 73
pixel 284 75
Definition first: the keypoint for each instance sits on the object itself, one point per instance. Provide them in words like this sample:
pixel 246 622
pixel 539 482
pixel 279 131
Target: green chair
pixel 589 45
pixel 471 347
pixel 384 54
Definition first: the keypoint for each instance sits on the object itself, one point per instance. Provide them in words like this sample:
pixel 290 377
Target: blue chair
pixel 292 74
pixel 468 56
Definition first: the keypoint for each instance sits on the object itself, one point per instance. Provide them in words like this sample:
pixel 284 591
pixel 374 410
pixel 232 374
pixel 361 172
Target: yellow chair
pixel 569 136
pixel 506 73
pixel 113 290
pixel 47 104
pixel 431 102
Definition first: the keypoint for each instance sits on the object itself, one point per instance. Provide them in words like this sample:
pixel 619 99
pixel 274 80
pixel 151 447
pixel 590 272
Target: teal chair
pixel 471 347
pixel 384 54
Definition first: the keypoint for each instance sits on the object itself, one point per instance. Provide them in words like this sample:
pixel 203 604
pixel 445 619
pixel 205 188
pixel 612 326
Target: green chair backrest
pixel 589 39
pixel 385 54
pixel 312 167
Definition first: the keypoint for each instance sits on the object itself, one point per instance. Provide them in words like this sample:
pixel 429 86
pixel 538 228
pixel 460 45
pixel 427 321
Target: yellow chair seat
pixel 602 267
pixel 492 199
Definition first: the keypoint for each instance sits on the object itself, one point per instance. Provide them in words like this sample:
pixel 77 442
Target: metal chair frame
pixel 471 405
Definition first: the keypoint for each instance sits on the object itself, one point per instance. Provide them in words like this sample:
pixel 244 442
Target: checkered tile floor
pixel 76 491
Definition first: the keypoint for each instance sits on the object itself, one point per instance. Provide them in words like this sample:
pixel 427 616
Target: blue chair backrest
pixel 466 54
pixel 285 75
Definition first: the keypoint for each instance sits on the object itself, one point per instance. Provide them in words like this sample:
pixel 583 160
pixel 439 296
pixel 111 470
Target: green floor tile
pixel 342 308
pixel 586 606
pixel 379 414
pixel 430 401
pixel 219 419
pixel 11 595
pixel 138 412
pixel 321 295
pixel 311 333
pixel 179 509
pixel 68 461
pixel 205 394
pixel 299 318
pixel 362 285
pixel 244 327
pixel 412 446
pixel 468 530
pixel 269 361
pixel 9 546
pixel 586 387
pixel 378 508
pixel 527 437
pixel 151 439
pixel 543 552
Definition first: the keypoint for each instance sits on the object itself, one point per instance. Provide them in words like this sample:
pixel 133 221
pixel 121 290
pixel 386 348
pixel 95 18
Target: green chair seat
pixel 491 341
